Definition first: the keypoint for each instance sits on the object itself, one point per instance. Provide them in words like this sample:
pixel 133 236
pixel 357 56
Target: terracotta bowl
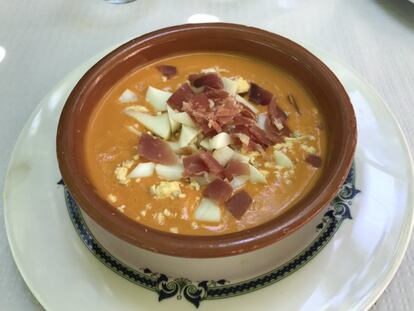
pixel 308 69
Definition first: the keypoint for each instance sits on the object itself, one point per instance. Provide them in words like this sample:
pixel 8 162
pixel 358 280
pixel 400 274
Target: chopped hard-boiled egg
pixel 242 85
pixel 205 143
pixel 261 120
pixel 207 211
pixel 174 124
pixel 240 157
pixel 187 135
pixel 157 98
pixel 139 108
pixel 220 140
pixel 223 155
pixel 121 175
pixel 229 85
pixel 159 124
pixel 308 149
pixel 282 159
pixel 133 130
pixel 170 172
pixel 127 97
pixel 201 180
pixel 256 176
pixel 142 170
pixel 174 145
pixel 166 189
pixel 183 118
pixel 239 181
pixel 244 102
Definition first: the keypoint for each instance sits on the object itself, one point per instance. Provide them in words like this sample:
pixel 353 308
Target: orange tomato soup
pixel 112 138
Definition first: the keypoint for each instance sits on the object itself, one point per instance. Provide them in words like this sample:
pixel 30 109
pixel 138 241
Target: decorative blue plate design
pixel 195 292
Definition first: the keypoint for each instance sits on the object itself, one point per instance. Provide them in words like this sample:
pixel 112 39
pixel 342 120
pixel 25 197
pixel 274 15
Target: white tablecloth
pixel 44 40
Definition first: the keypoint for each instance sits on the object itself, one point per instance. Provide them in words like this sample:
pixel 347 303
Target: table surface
pixel 44 40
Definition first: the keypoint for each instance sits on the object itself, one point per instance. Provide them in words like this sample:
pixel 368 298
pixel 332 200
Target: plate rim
pixel 409 231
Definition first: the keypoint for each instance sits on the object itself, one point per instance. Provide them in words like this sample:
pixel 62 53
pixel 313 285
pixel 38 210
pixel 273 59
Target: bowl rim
pixel 193 246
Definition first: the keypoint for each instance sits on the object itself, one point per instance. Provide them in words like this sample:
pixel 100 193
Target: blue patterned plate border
pixel 195 292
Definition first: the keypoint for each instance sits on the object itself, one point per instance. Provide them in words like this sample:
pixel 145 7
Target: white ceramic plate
pixel 349 273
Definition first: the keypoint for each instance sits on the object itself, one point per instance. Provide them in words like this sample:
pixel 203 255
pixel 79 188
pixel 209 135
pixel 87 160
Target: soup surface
pixel 241 141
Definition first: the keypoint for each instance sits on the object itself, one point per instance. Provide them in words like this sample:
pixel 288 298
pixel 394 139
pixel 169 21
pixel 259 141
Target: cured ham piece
pixel 209 80
pixel 275 124
pixel 208 130
pixel 273 133
pixel 194 165
pixel 216 95
pixel 243 121
pixel 227 111
pixel 167 71
pixel 237 142
pixel 314 160
pixel 200 163
pixel 185 150
pixel 236 168
pixel 240 139
pixel 246 112
pixel 259 95
pixel 254 146
pixel 200 104
pixel 183 94
pixel 277 116
pixel 247 127
pixel 212 110
pixel 200 111
pixel 218 190
pixel 239 203
pixel 292 101
pixel 259 136
pixel 156 150
pixel 212 164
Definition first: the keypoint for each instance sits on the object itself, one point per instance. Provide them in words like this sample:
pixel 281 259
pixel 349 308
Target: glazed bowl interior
pixel 320 82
